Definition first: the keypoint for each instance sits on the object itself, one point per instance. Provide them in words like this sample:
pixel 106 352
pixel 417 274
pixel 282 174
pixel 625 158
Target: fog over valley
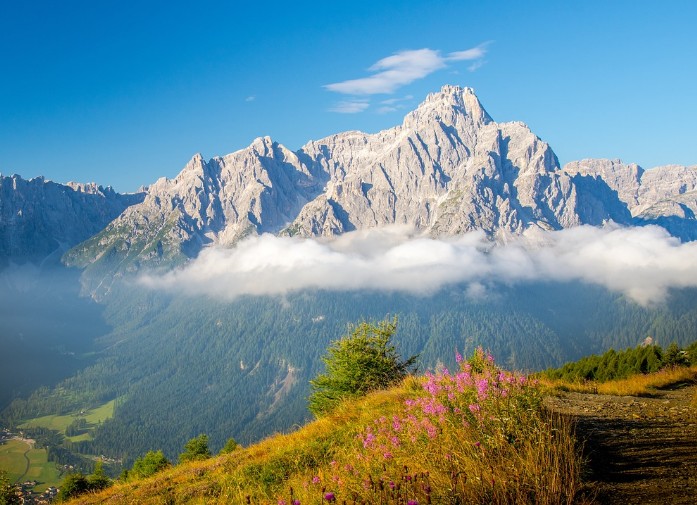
pixel 641 263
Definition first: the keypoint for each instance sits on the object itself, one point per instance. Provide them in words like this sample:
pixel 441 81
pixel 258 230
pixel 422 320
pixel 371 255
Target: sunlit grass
pixel 61 422
pixel 636 385
pixel 479 435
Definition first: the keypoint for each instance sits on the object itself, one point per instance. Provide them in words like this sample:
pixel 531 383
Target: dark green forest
pixel 613 364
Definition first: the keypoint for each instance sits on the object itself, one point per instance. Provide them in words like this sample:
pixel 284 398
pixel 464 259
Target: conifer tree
pixel 361 362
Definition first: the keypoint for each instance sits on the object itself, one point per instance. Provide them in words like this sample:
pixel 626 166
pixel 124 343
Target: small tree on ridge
pixel 363 361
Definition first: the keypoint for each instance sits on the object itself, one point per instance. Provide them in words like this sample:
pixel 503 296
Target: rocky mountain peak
pixel 451 105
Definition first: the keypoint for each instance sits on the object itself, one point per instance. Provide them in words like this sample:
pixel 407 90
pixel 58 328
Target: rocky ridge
pixel 41 219
pixel 665 195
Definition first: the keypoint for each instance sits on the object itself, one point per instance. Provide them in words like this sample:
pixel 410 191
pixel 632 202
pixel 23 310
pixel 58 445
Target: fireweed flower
pixel 482 386
pixel 329 497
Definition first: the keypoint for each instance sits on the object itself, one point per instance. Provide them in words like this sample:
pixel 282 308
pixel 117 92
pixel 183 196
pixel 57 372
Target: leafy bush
pixel 148 465
pixel 76 484
pixel 361 362
pixel 8 491
pixel 230 445
pixel 196 449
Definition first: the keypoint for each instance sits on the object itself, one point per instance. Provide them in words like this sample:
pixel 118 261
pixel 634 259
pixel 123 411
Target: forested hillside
pixel 178 366
pixel 611 365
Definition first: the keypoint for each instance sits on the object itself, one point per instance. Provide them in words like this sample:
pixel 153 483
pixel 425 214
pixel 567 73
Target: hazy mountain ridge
pixel 40 218
pixel 665 195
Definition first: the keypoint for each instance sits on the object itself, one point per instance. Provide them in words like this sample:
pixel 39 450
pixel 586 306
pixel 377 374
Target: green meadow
pixel 60 423
pixel 23 463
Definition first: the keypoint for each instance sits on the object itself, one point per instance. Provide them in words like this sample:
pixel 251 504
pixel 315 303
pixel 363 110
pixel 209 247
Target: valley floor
pixel 639 450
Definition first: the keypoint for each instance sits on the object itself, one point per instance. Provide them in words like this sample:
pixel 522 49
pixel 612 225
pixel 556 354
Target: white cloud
pixel 476 65
pixel 474 53
pixel 403 68
pixel 393 104
pixel 350 106
pixel 392 101
pixel 642 263
pixel 250 98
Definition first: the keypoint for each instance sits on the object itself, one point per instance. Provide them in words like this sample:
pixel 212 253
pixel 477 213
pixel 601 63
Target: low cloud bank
pixel 643 263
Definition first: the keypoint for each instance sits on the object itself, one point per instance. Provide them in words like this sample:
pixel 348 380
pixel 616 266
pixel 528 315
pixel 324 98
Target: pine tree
pixel 361 362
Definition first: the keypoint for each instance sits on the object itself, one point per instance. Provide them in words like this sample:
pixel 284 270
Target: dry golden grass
pixel 479 437
pixel 636 385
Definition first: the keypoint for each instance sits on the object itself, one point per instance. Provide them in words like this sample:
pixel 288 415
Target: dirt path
pixel 639 450
pixel 26 469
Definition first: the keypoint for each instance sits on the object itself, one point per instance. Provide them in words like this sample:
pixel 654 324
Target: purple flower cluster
pixel 465 398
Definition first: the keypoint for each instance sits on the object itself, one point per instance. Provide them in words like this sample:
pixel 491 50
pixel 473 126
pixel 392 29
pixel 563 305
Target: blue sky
pixel 122 93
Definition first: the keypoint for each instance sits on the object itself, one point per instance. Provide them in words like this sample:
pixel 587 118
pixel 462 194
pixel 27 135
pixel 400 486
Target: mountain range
pixel 447 169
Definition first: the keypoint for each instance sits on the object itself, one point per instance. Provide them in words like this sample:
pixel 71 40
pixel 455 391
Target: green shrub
pixel 196 449
pixel 363 361
pixel 148 465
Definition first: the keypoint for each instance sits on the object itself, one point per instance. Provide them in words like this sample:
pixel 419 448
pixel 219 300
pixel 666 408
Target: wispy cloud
pixel 402 68
pixel 476 65
pixel 393 104
pixel 643 263
pixel 350 106
pixel 250 98
pixel 392 73
pixel 475 53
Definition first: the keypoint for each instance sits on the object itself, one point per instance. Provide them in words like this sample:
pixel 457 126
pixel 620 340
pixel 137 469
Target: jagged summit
pixel 450 105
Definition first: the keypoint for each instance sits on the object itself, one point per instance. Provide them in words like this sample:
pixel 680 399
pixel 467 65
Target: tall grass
pixel 635 385
pixel 478 435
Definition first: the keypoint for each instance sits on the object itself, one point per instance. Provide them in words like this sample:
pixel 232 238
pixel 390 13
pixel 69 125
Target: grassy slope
pixel 12 458
pixel 635 385
pixel 60 423
pixel 429 440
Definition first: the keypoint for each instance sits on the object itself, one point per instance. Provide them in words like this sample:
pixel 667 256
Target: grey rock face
pixel 665 195
pixel 255 190
pixel 449 168
pixel 40 219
